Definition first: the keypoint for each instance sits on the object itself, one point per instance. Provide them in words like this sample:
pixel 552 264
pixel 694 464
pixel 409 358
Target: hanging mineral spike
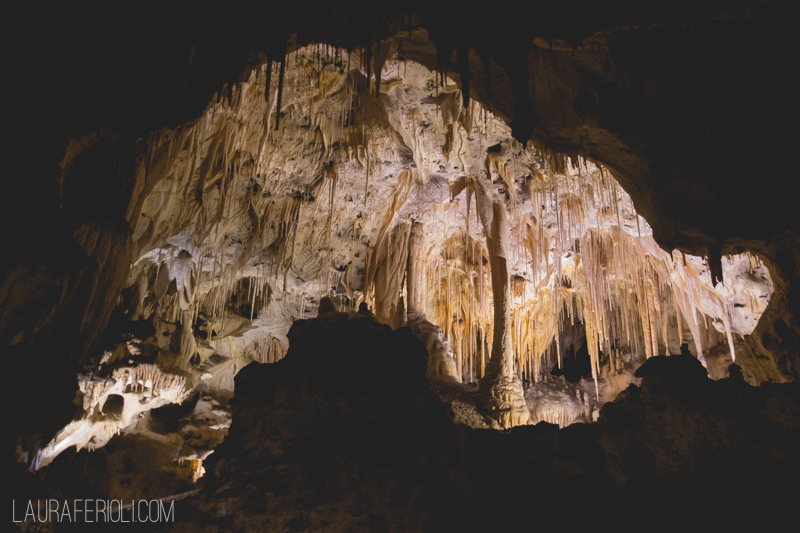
pixel 267 84
pixel 280 93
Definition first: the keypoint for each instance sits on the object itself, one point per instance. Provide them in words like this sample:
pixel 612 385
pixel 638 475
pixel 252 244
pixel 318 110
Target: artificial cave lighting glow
pixel 303 185
pixel 323 205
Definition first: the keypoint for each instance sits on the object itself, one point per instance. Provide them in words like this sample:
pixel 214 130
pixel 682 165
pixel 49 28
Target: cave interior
pixel 407 267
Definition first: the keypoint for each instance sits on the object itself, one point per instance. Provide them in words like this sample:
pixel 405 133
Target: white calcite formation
pixel 138 389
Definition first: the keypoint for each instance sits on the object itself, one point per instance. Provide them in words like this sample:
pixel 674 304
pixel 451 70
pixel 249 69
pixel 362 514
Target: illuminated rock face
pixel 267 210
pixel 130 391
pixel 388 190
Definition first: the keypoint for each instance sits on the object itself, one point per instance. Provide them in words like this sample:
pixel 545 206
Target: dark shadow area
pixel 114 405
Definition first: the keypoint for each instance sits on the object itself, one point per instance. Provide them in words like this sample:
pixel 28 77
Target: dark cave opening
pixel 576 363
pixel 114 405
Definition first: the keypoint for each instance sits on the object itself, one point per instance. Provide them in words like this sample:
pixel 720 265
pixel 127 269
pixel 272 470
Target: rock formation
pixel 528 211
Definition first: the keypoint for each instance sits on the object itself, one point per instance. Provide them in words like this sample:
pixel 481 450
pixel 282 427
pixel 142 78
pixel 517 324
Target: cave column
pixel 503 394
pixel 502 355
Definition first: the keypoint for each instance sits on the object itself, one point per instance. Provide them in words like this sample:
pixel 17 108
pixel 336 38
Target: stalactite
pixel 267 350
pixel 136 379
pixel 280 93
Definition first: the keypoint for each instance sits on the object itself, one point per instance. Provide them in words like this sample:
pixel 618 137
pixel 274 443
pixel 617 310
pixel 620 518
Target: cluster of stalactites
pixel 267 350
pixel 459 285
pixel 584 255
pixel 563 417
pixel 235 155
pixel 149 378
pixel 579 253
